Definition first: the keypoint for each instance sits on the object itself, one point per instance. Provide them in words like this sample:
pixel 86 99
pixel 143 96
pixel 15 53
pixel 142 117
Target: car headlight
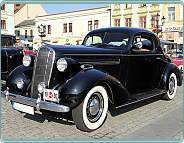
pixel 62 64
pixel 20 83
pixel 26 60
pixel 41 87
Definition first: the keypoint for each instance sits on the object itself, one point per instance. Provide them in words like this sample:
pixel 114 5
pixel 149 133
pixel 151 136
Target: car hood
pixel 68 50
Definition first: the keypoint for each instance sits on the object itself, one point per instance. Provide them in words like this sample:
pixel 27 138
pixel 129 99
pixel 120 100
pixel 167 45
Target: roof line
pixel 74 11
pixel 19 8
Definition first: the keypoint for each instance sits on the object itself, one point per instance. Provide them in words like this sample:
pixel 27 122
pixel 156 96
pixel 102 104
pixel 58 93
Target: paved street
pixel 149 119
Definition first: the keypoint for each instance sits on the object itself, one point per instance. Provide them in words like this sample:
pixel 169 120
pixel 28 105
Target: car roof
pixel 127 30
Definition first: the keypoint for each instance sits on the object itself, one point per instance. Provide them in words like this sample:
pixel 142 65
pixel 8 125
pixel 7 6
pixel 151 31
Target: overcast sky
pixel 61 8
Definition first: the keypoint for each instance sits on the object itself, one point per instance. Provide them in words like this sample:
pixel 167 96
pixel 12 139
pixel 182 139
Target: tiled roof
pixel 26 22
pixel 17 8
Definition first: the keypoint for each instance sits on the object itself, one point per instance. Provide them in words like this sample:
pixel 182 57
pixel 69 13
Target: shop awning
pixel 55 41
pixel 78 40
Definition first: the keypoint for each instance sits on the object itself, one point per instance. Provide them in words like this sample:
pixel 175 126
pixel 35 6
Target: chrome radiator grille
pixel 42 69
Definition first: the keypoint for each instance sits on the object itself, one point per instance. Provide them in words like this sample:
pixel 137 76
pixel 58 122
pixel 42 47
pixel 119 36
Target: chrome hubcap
pixel 95 107
pixel 171 85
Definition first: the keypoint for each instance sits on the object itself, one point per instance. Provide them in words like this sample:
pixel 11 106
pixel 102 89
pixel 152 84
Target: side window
pixel 143 43
pixel 93 40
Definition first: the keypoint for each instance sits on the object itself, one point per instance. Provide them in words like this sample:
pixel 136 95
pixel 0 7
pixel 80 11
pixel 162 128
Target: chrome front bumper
pixel 34 102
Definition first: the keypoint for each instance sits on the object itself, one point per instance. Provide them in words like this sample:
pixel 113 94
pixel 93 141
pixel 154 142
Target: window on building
pixel 18 33
pixel 171 13
pixel 117 6
pixel 96 24
pixel 143 22
pixel 117 23
pixel 25 33
pixel 65 28
pixel 180 34
pixel 49 29
pixel 3 7
pixel 142 5
pixel 128 22
pixel 155 22
pixel 128 5
pixel 3 24
pixel 89 25
pixel 31 33
pixel 70 27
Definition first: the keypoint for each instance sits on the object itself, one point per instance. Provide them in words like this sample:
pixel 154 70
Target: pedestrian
pixel 19 44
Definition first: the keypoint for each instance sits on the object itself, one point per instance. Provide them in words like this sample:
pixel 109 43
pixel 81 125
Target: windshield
pixel 107 39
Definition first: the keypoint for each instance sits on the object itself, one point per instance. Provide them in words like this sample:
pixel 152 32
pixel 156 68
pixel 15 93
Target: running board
pixel 143 95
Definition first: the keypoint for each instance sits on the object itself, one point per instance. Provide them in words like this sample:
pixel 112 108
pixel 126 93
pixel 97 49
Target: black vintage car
pixel 117 66
pixel 11 57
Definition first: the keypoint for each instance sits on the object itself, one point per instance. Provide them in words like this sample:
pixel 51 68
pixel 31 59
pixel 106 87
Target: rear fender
pixel 165 76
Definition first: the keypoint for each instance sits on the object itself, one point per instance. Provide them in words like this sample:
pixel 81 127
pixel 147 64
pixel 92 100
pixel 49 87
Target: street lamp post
pixel 41 30
pixel 157 20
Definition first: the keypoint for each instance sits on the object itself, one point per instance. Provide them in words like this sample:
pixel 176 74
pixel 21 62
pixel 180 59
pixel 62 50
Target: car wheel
pixel 172 83
pixel 91 113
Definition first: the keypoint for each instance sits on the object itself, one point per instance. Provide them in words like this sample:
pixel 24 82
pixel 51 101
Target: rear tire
pixel 172 83
pixel 92 112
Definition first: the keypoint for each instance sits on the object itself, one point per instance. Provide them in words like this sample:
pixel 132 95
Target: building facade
pixel 70 27
pixel 25 15
pixel 142 15
pixel 136 15
pixel 7 19
pixel 173 27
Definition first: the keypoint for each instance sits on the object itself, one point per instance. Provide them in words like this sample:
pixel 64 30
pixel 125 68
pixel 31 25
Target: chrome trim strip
pixel 33 102
pixel 115 55
pixel 54 54
pixel 102 63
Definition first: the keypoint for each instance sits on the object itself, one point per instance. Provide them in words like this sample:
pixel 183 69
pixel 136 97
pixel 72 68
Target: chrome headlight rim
pixel 41 86
pixel 26 60
pixel 20 83
pixel 62 64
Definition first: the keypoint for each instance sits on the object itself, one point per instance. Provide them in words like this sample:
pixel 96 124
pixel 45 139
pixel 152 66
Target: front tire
pixel 91 113
pixel 172 83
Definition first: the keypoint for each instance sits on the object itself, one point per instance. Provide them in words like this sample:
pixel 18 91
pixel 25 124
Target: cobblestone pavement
pixel 119 124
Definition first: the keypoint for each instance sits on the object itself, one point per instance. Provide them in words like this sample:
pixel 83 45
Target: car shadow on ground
pixel 51 117
pixel 66 119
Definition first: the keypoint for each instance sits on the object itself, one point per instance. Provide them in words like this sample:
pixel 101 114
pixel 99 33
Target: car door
pixel 142 65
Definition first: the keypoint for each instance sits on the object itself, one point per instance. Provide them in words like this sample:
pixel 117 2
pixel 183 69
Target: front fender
pixel 20 72
pixel 76 89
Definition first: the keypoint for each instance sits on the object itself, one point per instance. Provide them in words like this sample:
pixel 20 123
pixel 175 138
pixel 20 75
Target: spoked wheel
pixel 172 87
pixel 91 113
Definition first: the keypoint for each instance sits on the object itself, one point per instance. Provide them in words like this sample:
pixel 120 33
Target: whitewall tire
pixel 172 83
pixel 92 112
